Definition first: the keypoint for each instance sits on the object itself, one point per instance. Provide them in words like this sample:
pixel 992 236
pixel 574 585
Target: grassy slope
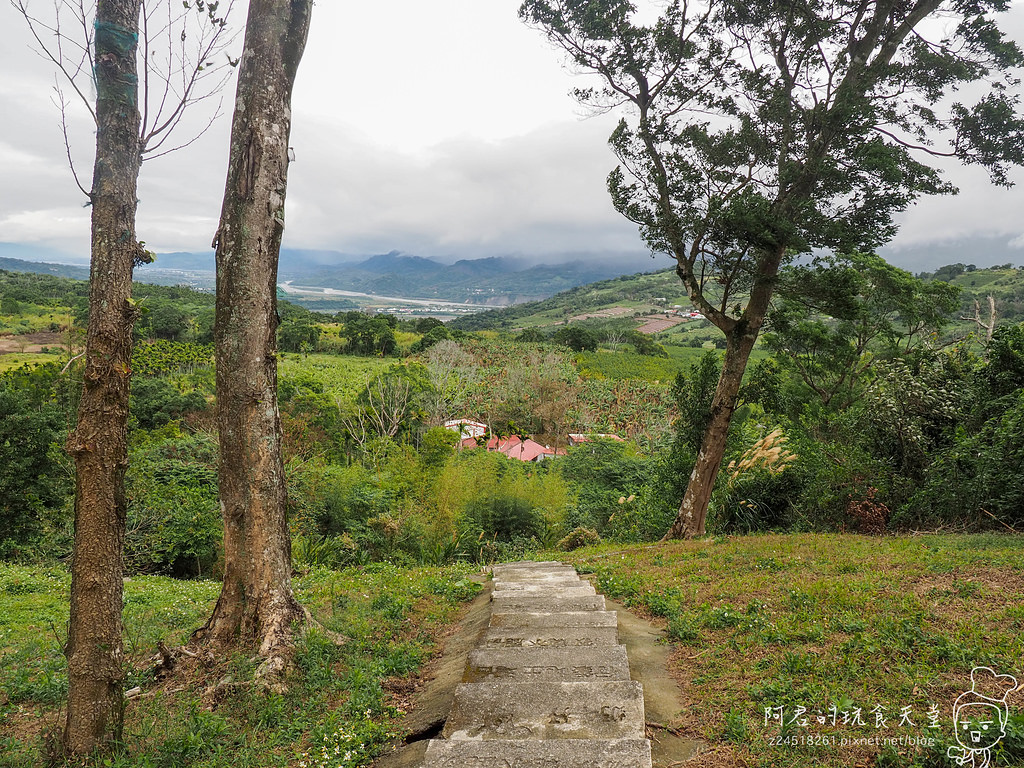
pixel 337 696
pixel 816 620
pixel 638 292
pixel 756 622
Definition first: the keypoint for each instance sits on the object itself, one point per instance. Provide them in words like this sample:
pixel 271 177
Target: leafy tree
pixel 763 130
pixel 298 336
pixel 425 325
pixel 10 306
pixel 645 345
pixel 168 321
pixel 370 335
pixel 1001 377
pixel 174 523
pixel 29 480
pixel 155 402
pixel 694 393
pixel 603 471
pixel 576 338
pixel 437 446
pixel 532 336
pixel 845 315
pixel 431 337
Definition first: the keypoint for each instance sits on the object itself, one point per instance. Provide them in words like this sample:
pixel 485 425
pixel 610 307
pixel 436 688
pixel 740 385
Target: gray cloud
pixel 455 144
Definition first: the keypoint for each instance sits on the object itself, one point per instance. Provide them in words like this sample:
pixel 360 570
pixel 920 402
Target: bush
pixel 504 519
pixel 758 489
pixel 156 402
pixel 579 537
pixel 174 522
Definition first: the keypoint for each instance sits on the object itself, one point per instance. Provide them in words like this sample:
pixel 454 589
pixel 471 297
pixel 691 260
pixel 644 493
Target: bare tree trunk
pixel 256 602
pixel 693 511
pixel 740 339
pixel 99 443
pixel 990 326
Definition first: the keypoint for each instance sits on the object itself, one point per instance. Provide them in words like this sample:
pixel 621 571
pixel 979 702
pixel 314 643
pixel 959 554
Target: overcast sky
pixel 441 129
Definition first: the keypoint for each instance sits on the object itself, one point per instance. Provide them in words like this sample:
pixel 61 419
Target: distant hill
pixel 495 281
pixel 651 291
pixel 44 268
pixel 641 292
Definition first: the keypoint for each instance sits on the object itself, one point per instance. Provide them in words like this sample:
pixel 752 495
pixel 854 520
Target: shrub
pixel 579 537
pixel 174 523
pixel 503 518
pixel 758 491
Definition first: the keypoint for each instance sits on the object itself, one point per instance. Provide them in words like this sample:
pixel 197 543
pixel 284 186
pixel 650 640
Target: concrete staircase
pixel 548 686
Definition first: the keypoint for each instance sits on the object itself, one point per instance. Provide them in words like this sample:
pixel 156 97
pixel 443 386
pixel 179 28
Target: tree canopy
pixel 756 131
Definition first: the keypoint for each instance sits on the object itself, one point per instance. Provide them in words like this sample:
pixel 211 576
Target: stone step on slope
pixel 549 637
pixel 542 665
pixel 548 686
pixel 540 753
pixel 515 603
pixel 561 619
pixel 547 711
pixel 505 570
pixel 569 578
pixel 533 589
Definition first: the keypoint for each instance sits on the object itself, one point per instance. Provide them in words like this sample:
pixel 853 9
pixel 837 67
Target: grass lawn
pixel 808 627
pixel 346 697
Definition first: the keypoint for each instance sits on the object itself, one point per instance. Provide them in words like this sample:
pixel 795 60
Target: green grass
pixel 340 696
pixel 817 621
pixel 626 364
pixel 16 360
pixel 338 375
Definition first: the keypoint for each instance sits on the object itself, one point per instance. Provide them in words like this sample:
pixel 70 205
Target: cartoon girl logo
pixel 979 717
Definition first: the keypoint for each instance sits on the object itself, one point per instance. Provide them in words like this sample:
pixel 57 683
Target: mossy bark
pixel 99 443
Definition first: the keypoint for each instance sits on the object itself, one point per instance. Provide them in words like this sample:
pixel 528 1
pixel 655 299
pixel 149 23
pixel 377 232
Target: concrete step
pixel 525 566
pixel 537 576
pixel 573 589
pixel 514 603
pixel 547 711
pixel 549 637
pixel 560 753
pixel 560 619
pixel 561 665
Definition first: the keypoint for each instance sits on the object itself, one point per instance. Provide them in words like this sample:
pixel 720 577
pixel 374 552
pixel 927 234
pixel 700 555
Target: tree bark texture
pixel 741 336
pixel 99 443
pixel 256 602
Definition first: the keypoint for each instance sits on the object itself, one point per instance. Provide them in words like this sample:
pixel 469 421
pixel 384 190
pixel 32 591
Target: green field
pixel 337 695
pixel 816 621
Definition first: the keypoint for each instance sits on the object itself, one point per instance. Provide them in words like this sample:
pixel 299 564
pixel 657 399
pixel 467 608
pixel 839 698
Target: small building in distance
pixel 466 428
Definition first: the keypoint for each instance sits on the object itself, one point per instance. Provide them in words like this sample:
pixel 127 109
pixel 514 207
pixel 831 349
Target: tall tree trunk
pixel 256 602
pixel 99 443
pixel 693 511
pixel 740 339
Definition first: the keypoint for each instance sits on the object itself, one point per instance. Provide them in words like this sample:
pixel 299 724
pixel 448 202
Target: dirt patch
pixel 657 324
pixel 29 342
